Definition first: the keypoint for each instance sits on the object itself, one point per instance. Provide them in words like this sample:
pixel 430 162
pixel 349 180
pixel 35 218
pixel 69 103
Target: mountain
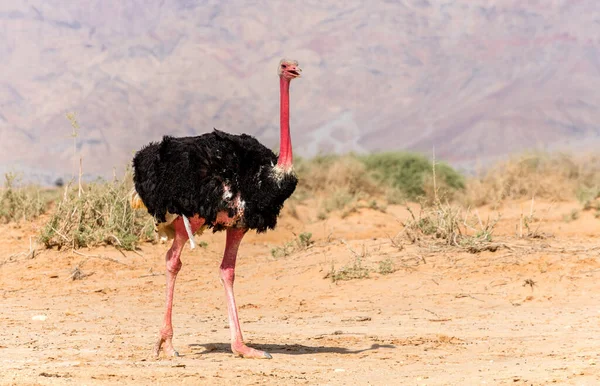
pixel 474 79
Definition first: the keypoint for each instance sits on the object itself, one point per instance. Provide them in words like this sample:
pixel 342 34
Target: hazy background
pixel 477 79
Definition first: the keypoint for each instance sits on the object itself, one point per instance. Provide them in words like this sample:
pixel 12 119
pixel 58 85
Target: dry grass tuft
pixel 101 214
pixel 302 242
pixel 328 174
pixel 338 182
pixel 552 176
pixel 355 270
pixel 452 226
pixel 386 266
pixel 22 203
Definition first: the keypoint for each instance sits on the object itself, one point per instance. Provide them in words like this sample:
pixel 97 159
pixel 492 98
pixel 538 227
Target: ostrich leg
pixel 234 237
pixel 173 267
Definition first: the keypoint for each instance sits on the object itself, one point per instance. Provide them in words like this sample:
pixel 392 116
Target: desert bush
pixel 22 202
pixel 356 270
pixel 301 243
pixel 387 266
pixel 101 214
pixel 350 181
pixel 451 225
pixel 411 174
pixel 352 271
pixel 332 173
pixel 338 181
pixel 553 176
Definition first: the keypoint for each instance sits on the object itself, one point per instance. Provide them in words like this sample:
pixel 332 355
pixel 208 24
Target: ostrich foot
pixel 244 351
pixel 167 348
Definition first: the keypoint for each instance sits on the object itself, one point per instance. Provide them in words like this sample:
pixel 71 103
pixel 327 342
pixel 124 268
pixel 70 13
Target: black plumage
pixel 212 173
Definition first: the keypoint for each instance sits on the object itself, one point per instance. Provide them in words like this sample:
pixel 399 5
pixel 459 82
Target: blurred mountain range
pixel 474 79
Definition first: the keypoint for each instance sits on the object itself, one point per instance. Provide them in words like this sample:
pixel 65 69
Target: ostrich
pixel 220 181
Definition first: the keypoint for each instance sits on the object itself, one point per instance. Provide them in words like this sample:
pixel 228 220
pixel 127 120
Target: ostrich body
pixel 219 181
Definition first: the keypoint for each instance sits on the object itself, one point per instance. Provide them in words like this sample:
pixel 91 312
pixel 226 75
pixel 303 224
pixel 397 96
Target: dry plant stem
pixel 83 254
pixel 80 173
pixel 531 207
pixel 521 224
pixel 435 191
pixel 75 127
pixel 349 248
pixel 544 216
pixel 101 257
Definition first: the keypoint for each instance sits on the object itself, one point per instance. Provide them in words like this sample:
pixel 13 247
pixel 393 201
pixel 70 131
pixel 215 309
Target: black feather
pixel 185 176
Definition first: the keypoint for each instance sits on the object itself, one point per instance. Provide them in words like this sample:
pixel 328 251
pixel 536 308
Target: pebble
pixel 39 317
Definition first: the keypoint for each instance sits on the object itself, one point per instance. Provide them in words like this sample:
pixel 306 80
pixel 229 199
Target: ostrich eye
pixel 283 66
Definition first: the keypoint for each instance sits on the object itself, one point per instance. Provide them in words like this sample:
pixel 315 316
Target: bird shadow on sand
pixel 290 349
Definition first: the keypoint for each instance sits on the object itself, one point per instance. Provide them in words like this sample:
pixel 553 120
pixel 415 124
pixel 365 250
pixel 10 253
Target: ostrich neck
pixel 285 141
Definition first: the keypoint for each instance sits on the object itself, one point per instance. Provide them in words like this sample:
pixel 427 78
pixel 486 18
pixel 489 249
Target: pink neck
pixel 285 141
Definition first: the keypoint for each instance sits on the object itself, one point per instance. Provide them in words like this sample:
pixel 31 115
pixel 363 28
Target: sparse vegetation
pixel 22 203
pixel 373 204
pixel 452 226
pixel 450 223
pixel 326 174
pixel 339 200
pixel 344 184
pixel 355 270
pixel 282 251
pixel 349 183
pixel 339 182
pixel 553 176
pixel 386 266
pixel 592 205
pixel 302 242
pixel 97 213
pixel 100 215
pixel 571 216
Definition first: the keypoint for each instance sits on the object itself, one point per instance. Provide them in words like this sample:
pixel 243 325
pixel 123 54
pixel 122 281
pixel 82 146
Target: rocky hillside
pixel 476 79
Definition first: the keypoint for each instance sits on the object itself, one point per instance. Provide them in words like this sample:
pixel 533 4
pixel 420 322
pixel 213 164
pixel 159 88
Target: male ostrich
pixel 220 181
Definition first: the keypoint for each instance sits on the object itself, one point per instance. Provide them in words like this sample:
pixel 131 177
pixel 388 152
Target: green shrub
pixel 303 242
pixel 410 173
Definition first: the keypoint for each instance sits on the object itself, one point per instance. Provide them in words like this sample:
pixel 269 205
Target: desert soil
pixel 527 313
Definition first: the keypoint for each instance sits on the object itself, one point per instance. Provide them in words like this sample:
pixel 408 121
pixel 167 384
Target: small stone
pixel 39 317
pixel 339 370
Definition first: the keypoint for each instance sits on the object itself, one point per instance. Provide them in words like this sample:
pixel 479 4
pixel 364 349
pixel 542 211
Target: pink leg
pixel 234 237
pixel 173 267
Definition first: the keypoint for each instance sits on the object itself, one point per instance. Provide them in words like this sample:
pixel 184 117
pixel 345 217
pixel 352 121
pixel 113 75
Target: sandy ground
pixel 444 317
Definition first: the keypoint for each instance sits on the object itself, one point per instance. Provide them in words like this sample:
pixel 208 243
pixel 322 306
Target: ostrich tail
pixel 135 200
pixel 166 230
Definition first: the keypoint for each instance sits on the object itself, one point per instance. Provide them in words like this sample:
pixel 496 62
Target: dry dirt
pixel 527 313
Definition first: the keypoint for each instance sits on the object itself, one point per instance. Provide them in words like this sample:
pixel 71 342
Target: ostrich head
pixel 288 69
